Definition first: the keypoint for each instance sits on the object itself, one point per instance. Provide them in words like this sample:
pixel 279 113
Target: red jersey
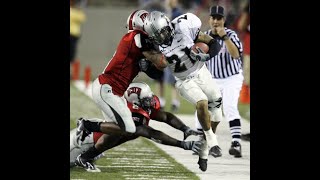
pixel 124 67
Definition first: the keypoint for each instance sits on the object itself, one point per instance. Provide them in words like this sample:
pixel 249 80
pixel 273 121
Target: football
pixel 203 46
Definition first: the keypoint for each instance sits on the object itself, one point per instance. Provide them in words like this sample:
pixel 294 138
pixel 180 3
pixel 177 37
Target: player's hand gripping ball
pixel 203 46
pixel 199 52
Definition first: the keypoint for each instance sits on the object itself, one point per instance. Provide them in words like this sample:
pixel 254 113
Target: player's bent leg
pixel 113 106
pixel 215 151
pixel 203 114
pixel 107 142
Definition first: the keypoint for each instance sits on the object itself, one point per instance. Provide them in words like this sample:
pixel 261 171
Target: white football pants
pixel 200 86
pixel 113 106
pixel 230 88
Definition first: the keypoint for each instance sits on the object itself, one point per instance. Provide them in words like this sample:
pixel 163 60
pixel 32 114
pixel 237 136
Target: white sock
pixel 211 138
pixel 204 151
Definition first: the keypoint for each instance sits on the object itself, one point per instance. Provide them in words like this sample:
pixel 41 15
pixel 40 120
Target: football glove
pixel 192 145
pixel 189 132
pixel 200 56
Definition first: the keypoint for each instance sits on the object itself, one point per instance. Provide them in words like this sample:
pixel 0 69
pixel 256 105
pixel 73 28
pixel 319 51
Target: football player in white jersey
pixel 194 82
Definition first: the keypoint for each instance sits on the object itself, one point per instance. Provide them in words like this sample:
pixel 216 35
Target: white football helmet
pixel 136 19
pixel 159 28
pixel 140 94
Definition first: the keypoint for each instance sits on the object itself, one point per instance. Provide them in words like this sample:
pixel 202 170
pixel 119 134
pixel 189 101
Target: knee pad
pixel 215 114
pixel 215 103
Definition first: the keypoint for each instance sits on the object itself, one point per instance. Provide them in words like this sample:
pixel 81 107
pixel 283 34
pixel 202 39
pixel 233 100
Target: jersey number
pixel 178 67
pixel 183 17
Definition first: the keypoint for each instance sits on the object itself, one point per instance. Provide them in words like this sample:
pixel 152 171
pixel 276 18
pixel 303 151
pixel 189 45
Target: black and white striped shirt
pixel 224 65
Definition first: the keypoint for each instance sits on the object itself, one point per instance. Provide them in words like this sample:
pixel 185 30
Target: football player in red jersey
pixel 144 106
pixel 109 87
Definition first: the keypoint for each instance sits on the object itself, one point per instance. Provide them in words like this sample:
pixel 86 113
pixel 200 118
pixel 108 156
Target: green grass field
pixel 138 159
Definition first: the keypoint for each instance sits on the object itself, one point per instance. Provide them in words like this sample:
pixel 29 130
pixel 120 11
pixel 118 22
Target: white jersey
pixel 186 27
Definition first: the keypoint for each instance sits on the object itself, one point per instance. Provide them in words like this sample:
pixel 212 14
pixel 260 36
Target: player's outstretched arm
pixel 162 138
pixel 175 122
pixel 150 69
pixel 156 58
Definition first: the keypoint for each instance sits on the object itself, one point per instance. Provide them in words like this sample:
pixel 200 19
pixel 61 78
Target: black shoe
pixel 235 149
pixel 202 164
pixel 87 165
pixel 245 137
pixel 81 132
pixel 215 151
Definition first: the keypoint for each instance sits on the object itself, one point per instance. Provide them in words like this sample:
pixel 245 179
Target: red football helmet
pixel 136 19
pixel 140 94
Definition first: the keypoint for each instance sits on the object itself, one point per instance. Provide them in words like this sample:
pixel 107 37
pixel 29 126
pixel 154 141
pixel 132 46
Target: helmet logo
pixel 135 90
pixel 143 16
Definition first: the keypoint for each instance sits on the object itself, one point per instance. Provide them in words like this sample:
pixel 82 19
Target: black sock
pixel 90 153
pixel 92 126
pixel 180 144
pixel 235 129
pixel 184 128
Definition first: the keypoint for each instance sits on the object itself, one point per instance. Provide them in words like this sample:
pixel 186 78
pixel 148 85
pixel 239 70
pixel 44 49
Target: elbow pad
pixel 214 48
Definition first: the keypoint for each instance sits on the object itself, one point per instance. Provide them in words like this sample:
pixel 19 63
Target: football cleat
pixel 81 132
pixel 87 165
pixel 235 149
pixel 202 164
pixel 215 151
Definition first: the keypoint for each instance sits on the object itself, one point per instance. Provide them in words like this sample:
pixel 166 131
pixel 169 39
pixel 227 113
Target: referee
pixel 226 69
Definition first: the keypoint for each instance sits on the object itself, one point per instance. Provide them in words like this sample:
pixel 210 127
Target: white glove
pixel 200 56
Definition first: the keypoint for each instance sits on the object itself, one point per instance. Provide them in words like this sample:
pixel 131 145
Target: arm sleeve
pixel 154 72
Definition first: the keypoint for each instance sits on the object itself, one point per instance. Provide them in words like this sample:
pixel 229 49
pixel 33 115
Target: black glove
pixel 189 132
pixel 200 56
pixel 144 64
